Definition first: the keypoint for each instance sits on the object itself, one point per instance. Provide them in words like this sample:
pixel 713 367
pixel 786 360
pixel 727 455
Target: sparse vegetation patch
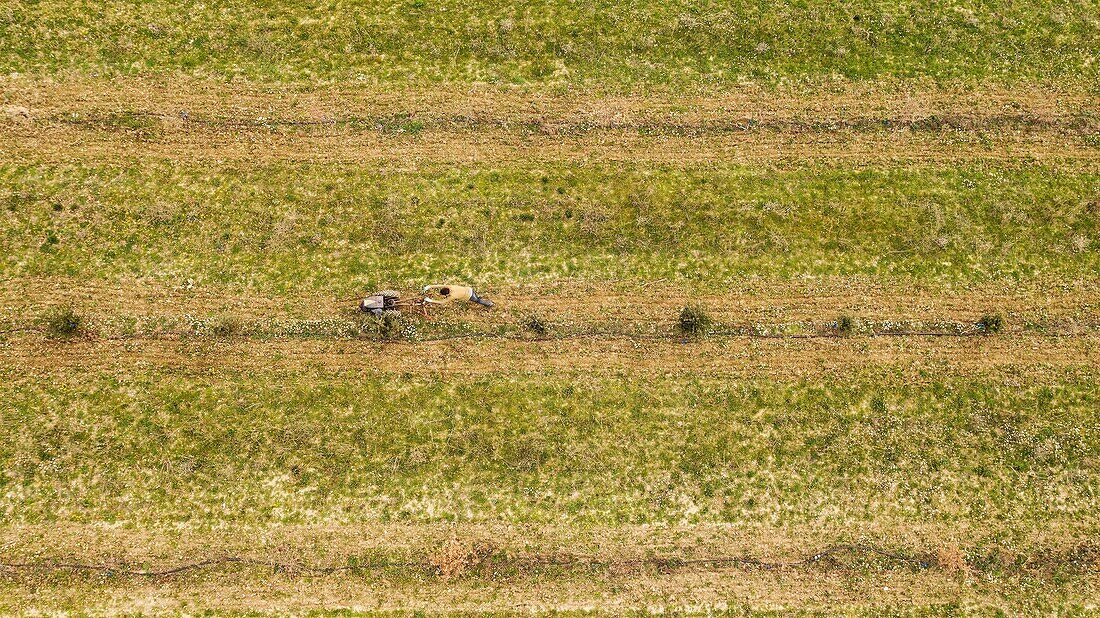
pixel 991 323
pixel 694 321
pixel 63 323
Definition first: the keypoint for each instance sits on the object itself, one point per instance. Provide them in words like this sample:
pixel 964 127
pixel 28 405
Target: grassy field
pixel 678 44
pixel 888 215
pixel 908 447
pixel 331 228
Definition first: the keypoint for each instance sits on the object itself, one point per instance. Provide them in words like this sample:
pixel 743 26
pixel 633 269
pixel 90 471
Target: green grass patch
pixel 331 228
pixel 261 447
pixel 63 323
pixel 680 43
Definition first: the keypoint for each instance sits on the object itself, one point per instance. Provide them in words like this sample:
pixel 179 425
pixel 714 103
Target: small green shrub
pixel 537 325
pixel 991 323
pixel 694 320
pixel 389 325
pixel 50 241
pixel 845 325
pixel 63 323
pixel 401 124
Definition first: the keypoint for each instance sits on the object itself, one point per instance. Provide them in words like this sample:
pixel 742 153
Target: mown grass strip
pixel 292 227
pixel 149 125
pixel 160 445
pixel 554 42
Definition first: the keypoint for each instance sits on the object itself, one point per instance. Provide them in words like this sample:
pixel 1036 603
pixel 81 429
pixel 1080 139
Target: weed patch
pixel 693 321
pixel 991 323
pixel 64 323
pixel 536 325
pixel 951 559
pixel 845 325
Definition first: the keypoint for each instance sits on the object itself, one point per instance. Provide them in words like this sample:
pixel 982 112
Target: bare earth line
pixel 65 143
pixel 463 548
pixel 200 121
pixel 570 300
pixel 903 100
pixel 532 561
pixel 771 357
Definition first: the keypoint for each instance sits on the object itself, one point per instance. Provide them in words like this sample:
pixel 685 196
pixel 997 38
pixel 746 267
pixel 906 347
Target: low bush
pixel 694 320
pixel 536 325
pixel 226 327
pixel 845 325
pixel 63 323
pixel 991 323
pixel 390 326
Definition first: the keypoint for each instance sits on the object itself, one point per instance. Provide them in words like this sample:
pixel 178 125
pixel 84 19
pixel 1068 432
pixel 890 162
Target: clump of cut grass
pixel 63 323
pixel 845 325
pixel 455 558
pixel 390 326
pixel 951 559
pixel 991 323
pixel 227 326
pixel 694 320
pixel 537 325
pixel 140 125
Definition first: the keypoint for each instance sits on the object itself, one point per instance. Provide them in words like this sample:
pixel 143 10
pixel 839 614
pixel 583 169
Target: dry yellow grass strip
pixel 483 588
pixel 580 301
pixel 62 143
pixel 868 123
pixel 785 358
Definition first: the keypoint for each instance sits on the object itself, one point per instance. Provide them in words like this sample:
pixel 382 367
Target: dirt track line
pixel 773 357
pixel 770 302
pixel 903 100
pixel 528 562
pixel 67 143
pixel 612 590
pixel 196 120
